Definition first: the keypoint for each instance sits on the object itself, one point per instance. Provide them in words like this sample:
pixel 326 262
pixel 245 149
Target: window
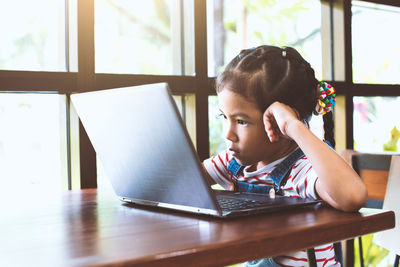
pixel 137 42
pixel 375 127
pixel 39 37
pixel 217 142
pixel 234 25
pixel 281 23
pixel 32 143
pixel 144 37
pixel 376 51
pixel 153 41
pixel 33 40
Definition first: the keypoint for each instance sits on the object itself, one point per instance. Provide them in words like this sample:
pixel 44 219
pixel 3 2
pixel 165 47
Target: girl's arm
pixel 227 185
pixel 338 184
pixel 210 180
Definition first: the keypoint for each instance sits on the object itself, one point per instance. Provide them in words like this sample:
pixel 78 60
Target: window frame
pixel 348 88
pixel 82 169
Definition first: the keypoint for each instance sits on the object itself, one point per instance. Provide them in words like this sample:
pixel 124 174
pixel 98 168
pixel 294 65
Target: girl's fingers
pixel 271 128
pixel 273 135
pixel 272 193
pixel 277 116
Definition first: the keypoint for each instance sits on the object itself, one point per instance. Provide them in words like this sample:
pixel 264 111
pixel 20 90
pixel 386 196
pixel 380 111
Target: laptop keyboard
pixel 227 203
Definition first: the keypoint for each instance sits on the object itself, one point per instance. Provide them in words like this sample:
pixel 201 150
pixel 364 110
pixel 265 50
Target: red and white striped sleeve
pixel 217 168
pixel 301 181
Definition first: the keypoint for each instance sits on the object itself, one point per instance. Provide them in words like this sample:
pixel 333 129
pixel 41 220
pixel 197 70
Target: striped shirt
pixel 300 183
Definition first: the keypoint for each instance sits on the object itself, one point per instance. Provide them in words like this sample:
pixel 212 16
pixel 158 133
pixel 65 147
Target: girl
pixel 267 96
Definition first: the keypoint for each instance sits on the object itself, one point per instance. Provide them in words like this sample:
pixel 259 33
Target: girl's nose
pixel 230 133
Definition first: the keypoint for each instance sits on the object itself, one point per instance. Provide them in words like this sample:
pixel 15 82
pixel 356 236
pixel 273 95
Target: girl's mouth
pixel 234 152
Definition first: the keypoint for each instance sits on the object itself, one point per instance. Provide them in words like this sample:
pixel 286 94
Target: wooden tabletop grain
pixel 87 228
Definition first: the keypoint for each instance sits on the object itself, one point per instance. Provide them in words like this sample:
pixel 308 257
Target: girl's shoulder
pixel 219 161
pixel 224 156
pixel 302 168
pixel 301 163
pixel 301 180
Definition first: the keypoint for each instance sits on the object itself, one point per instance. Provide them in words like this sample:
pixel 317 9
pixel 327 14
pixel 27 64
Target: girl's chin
pixel 243 161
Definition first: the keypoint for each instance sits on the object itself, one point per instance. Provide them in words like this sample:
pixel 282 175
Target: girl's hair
pixel 266 74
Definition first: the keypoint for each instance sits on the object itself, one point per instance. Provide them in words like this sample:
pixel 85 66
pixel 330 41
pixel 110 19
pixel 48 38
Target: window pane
pixel 237 24
pixel 32 35
pixel 376 129
pixel 103 182
pixel 73 35
pixel 32 143
pixel 216 138
pixel 144 37
pixel 376 50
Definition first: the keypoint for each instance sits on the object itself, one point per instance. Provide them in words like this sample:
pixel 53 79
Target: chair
pixel 374 170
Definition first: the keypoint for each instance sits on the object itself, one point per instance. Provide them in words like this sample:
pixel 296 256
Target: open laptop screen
pixel 146 152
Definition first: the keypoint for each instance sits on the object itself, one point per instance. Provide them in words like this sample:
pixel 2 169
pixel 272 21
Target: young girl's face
pixel 244 129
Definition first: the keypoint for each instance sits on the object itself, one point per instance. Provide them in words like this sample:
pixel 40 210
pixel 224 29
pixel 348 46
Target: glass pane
pixel 376 129
pixel 103 183
pixel 376 50
pixel 32 143
pixel 216 138
pixel 237 24
pixel 32 35
pixel 316 125
pixel 144 37
pixel 73 35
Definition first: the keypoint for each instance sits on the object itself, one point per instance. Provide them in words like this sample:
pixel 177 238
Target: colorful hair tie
pixel 326 98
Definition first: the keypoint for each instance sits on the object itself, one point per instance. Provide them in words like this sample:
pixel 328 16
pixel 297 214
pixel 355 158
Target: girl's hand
pixel 277 118
pixel 337 184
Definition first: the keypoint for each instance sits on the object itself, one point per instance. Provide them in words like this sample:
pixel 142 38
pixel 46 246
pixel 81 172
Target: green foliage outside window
pixel 280 23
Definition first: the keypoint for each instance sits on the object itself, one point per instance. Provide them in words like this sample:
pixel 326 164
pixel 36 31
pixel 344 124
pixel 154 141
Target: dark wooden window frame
pixel 348 88
pixel 200 84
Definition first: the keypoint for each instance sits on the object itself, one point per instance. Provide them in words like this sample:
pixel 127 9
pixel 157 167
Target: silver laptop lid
pixel 146 152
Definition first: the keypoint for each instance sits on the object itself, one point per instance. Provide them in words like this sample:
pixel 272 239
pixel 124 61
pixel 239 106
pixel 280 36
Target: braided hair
pixel 266 74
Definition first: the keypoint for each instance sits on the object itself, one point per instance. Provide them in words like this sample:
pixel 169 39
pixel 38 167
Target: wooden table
pixel 79 228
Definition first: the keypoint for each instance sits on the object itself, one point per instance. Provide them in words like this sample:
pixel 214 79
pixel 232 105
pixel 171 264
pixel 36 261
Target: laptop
pixel 147 154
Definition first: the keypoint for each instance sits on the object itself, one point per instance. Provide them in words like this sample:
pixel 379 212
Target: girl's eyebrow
pixel 238 114
pixel 242 115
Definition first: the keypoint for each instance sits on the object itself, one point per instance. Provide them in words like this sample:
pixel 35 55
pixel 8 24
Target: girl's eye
pixel 241 122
